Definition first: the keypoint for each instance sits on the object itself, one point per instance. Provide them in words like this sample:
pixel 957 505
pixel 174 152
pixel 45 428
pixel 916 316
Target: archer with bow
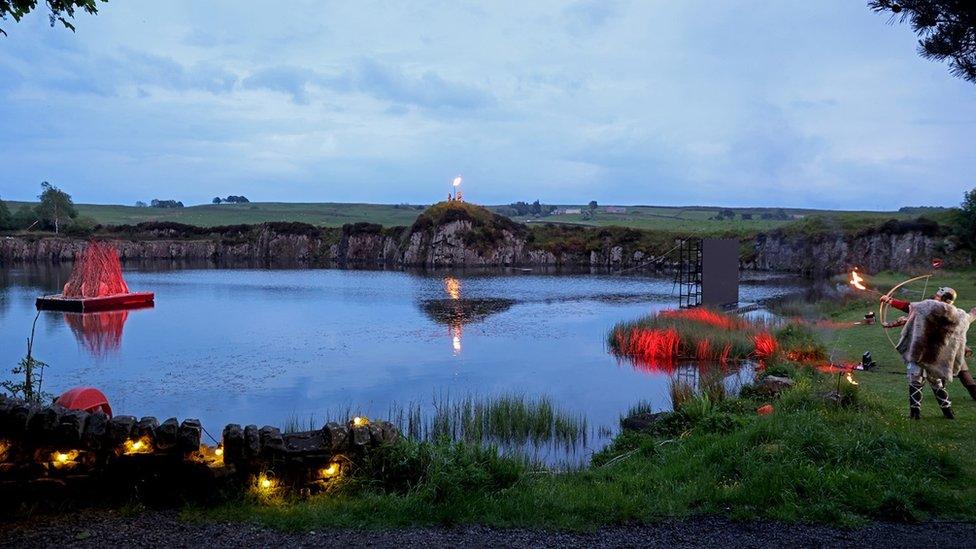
pixel 933 346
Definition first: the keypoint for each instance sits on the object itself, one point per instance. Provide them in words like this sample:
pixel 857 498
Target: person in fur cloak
pixel 933 346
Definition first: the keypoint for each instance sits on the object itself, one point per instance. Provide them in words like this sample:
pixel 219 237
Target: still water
pixel 269 346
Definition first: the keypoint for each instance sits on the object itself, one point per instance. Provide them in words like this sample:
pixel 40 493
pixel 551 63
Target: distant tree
pixel 56 207
pixel 141 204
pixel 59 10
pixel 747 217
pixel 6 220
pixel 536 208
pixel 946 30
pixel 232 199
pixel 965 222
pixel 217 200
pixel 157 203
pixel 593 205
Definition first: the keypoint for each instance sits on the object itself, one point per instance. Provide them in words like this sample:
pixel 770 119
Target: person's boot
pixel 914 401
pixel 968 382
pixel 942 396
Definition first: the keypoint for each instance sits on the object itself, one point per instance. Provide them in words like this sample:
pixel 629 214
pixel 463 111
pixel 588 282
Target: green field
pixel 321 214
pixel 688 220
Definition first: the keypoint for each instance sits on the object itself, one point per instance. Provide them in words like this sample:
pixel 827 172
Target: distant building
pixel 572 211
pixel 615 210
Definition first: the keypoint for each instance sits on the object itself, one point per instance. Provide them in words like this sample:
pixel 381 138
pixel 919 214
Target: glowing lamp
pixel 330 471
pixel 62 459
pixel 266 483
pixel 137 446
pixel 219 452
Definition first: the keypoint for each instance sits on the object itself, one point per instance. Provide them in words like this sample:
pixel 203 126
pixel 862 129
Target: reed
pixel 658 340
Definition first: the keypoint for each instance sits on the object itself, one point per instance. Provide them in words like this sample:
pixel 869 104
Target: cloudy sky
pixel 802 104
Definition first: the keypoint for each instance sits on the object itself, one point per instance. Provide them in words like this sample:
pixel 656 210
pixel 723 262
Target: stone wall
pixel 51 451
pixel 451 245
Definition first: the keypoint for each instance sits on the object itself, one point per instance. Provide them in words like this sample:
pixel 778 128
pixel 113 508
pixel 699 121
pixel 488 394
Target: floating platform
pixel 59 302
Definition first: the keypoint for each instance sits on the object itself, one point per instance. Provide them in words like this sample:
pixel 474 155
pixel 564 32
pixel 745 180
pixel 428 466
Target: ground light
pixel 137 446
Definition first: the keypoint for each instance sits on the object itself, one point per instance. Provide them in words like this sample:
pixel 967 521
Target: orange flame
pixel 857 281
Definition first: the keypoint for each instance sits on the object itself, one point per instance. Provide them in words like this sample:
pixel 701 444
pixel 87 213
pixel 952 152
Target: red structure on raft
pixel 96 284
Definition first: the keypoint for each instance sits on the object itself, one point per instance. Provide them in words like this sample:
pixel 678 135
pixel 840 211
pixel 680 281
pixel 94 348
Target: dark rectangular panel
pixel 720 271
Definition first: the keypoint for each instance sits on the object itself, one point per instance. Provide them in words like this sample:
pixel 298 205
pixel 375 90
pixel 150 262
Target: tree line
pixel 56 212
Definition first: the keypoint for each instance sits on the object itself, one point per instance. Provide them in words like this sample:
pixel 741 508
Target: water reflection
pixel 456 312
pixel 100 333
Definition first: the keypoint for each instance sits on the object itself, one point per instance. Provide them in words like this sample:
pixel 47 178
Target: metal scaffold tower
pixel 689 275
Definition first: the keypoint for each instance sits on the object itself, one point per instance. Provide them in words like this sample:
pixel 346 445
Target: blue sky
pixel 801 104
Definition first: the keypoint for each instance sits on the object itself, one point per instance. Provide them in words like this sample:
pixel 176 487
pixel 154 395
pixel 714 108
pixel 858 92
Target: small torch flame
pixel 857 281
pixel 457 181
pixel 850 378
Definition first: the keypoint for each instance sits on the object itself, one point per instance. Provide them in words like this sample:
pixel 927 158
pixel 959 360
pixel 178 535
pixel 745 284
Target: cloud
pixel 292 81
pixel 427 90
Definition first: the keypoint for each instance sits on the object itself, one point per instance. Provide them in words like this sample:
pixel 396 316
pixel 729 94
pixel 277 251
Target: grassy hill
pixel 684 220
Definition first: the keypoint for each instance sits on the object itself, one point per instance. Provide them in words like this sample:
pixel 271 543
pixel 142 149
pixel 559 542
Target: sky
pixel 736 103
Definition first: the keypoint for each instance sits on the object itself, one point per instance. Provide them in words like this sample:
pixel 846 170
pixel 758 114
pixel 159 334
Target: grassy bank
pixel 813 459
pixel 698 221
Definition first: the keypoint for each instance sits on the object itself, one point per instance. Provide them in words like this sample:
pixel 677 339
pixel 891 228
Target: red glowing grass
pixel 653 350
pixel 704 350
pixel 97 273
pixel 704 316
pixel 765 345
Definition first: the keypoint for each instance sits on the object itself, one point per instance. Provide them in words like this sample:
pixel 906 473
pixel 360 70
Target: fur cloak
pixel 935 338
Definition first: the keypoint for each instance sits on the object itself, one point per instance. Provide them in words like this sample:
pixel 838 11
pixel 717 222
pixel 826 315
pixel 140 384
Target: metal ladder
pixel 688 277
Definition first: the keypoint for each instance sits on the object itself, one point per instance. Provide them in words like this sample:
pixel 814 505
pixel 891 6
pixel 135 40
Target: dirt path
pixel 165 529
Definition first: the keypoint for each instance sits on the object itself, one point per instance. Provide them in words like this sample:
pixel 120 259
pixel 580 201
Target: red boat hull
pixel 89 304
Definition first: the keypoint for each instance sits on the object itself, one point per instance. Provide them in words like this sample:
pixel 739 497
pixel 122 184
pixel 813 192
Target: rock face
pixel 823 254
pixel 467 242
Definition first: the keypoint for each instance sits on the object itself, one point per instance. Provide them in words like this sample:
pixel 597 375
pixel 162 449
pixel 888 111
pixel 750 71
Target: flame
pixel 457 181
pixel 219 452
pixel 850 378
pixel 453 287
pixel 857 281
pixel 360 421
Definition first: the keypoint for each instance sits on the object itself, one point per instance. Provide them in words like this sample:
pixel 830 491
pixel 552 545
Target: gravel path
pixel 98 529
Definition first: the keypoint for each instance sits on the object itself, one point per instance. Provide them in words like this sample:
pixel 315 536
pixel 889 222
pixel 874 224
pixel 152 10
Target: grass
pixel 693 221
pixel 320 214
pixel 700 334
pixel 511 421
pixel 810 461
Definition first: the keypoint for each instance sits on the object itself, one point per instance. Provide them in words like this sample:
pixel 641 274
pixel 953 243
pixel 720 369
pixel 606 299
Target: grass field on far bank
pixel 690 220
pixel 812 460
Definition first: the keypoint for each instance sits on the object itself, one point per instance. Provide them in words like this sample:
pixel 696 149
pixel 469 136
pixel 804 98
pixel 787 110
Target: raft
pixel 59 302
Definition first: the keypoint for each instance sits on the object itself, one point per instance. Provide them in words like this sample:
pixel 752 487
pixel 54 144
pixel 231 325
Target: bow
pixel 882 310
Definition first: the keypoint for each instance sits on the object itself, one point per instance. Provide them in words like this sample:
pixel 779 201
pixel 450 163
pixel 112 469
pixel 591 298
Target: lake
pixel 270 347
